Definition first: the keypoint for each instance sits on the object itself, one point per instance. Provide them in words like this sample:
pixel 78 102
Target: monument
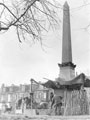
pixel 67 68
pixel 70 87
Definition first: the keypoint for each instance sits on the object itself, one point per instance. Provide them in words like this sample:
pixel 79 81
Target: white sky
pixel 21 62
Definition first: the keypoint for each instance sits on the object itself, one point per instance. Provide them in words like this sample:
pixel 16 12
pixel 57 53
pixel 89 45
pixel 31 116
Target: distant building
pixel 42 94
pixel 9 95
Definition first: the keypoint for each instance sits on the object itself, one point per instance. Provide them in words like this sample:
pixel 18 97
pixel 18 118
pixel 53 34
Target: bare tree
pixel 29 17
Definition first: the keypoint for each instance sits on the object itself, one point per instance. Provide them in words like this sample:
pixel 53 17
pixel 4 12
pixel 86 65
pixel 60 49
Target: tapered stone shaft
pixel 66 40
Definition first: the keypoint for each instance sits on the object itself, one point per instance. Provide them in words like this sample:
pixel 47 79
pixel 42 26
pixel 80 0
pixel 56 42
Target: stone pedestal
pixel 67 71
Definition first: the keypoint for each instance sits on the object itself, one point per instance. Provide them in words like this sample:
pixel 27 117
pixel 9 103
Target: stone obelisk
pixel 67 67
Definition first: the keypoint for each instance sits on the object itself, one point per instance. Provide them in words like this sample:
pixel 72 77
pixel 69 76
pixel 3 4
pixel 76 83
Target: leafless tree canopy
pixel 29 17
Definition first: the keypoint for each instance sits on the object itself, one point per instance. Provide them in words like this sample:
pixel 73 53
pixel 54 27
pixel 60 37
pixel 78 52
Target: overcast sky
pixel 21 62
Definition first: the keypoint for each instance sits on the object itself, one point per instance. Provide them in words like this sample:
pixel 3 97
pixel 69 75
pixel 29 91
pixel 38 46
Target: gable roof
pixel 77 80
pixel 71 84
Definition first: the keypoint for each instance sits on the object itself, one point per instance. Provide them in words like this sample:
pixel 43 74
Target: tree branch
pixel 17 19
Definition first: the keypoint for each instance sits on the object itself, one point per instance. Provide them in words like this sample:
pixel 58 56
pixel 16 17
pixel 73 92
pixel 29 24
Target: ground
pixel 39 117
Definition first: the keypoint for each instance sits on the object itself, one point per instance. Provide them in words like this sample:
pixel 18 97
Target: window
pixel 9 98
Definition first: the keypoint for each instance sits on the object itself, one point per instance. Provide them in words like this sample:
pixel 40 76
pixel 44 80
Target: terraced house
pixel 10 95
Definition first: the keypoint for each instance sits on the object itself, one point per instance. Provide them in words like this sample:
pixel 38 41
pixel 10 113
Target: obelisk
pixel 67 67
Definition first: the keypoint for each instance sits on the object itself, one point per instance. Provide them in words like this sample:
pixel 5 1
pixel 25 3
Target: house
pixel 9 95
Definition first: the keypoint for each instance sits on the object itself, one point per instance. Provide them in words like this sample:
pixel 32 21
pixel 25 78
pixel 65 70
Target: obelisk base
pixel 67 70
